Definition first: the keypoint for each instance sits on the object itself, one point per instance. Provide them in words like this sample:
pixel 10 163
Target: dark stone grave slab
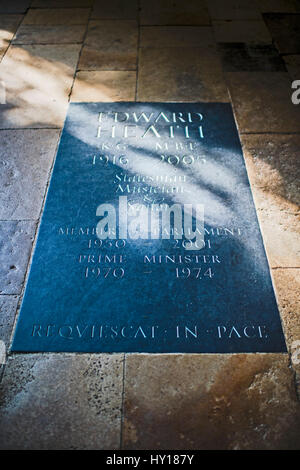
pixel 149 241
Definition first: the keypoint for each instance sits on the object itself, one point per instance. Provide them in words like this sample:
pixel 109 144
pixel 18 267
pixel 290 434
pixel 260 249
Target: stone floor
pixel 56 51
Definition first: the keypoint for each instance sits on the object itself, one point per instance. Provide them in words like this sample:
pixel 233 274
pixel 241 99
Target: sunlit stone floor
pixel 56 51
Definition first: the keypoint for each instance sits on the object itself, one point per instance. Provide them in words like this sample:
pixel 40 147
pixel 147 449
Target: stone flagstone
pixel 25 155
pixel 280 230
pixel 292 63
pixel 61 3
pixel 233 10
pixel 191 75
pixel 37 80
pixel 287 288
pixel 8 307
pixel 57 16
pixel 8 27
pixel 43 34
pixel 172 12
pixel 178 36
pixel 285 31
pixel 16 240
pixel 16 6
pixel 262 102
pixel 110 45
pixel 246 31
pixel 240 57
pixel 104 86
pixel 77 398
pixel 115 9
pixel 273 166
pixel 240 401
pixel 278 6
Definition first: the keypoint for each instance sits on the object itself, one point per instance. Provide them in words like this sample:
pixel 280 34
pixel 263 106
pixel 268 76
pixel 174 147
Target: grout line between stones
pixel 285 267
pixel 45 43
pixel 10 42
pixel 53 24
pixel 175 25
pixel 269 132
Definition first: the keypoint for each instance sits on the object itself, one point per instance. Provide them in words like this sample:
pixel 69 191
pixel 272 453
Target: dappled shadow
pixel 37 85
pixel 234 286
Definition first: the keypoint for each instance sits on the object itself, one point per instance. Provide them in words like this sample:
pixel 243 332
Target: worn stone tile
pixel 104 86
pixel 38 80
pixel 63 401
pixel 233 10
pixel 93 58
pixel 240 401
pixel 247 31
pixel 26 157
pixel 181 74
pixel 43 34
pixel 278 6
pixel 61 3
pixel 8 307
pixel 285 31
pixel 240 57
pixel 16 238
pixel 115 9
pixel 16 6
pixel 262 102
pixel 280 231
pixel 177 36
pixel 57 16
pixel 292 63
pixel 273 166
pixel 8 27
pixel 110 45
pixel 273 169
pixel 287 288
pixel 172 12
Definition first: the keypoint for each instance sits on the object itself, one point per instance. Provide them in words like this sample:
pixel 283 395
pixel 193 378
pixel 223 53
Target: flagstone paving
pixel 110 45
pixel 210 402
pixel 8 308
pixel 56 51
pixel 8 27
pixel 77 399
